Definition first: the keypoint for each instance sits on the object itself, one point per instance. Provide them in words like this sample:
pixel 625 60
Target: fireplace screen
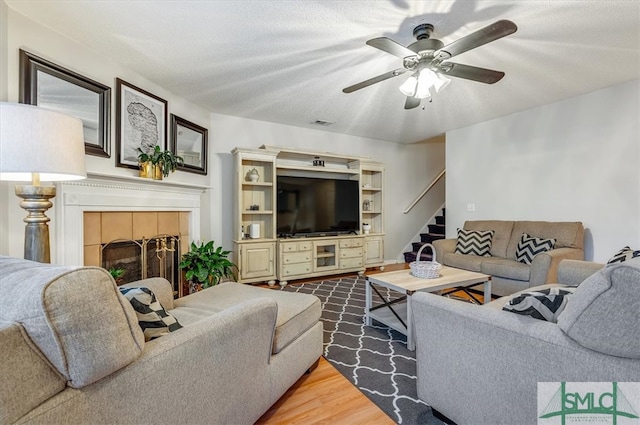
pixel 158 256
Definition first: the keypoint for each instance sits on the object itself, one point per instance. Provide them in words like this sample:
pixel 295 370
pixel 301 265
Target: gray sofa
pixel 481 365
pixel 73 352
pixel 509 275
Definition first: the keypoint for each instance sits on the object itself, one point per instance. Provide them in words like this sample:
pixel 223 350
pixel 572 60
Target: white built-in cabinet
pixel 265 257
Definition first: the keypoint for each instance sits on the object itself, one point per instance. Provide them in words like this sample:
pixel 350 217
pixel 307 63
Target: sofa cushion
pixel 474 242
pixel 568 234
pixel 154 320
pixel 509 269
pixel 74 315
pixel 501 237
pixel 545 304
pixel 472 263
pixel 297 313
pixel 530 246
pixel 604 311
pixel 624 254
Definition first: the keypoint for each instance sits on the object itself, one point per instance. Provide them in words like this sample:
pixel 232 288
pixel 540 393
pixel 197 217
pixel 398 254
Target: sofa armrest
pixel 574 272
pixel 544 267
pixel 481 365
pixel 442 247
pixel 159 286
pixel 197 374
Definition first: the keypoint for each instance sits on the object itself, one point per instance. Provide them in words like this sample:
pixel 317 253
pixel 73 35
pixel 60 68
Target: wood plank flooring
pixel 324 396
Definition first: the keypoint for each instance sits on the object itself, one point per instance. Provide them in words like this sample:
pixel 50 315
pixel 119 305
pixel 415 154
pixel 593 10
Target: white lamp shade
pixel 38 140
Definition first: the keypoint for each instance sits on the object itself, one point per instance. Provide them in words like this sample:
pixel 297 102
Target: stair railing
pixel 424 192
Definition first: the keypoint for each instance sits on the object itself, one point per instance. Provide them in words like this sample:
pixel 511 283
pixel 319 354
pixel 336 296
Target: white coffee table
pixel 396 313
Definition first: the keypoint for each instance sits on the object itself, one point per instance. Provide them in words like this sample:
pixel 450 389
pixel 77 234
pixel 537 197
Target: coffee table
pixel 396 313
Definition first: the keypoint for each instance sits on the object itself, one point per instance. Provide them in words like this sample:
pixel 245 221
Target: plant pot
pixel 145 169
pixel 366 228
pixel 157 172
pixel 195 287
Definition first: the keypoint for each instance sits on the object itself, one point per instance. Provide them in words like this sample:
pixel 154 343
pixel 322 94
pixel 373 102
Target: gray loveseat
pixel 509 275
pixel 481 365
pixel 73 352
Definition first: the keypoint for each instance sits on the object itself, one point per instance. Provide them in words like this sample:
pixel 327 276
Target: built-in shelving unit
pixel 266 258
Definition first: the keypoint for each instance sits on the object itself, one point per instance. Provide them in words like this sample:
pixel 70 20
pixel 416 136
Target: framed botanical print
pixel 46 84
pixel 189 141
pixel 141 123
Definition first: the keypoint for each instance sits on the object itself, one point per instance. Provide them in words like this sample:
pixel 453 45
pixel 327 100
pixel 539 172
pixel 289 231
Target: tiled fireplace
pixel 105 216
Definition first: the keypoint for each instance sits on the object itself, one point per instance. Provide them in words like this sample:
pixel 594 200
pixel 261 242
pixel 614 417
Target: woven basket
pixel 425 269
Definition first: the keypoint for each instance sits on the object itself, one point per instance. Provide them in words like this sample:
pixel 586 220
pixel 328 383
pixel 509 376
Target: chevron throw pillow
pixel 529 246
pixel 545 304
pixel 624 254
pixel 474 242
pixel 154 320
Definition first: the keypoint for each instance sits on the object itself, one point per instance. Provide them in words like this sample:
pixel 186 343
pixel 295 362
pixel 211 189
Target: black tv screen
pixel 315 206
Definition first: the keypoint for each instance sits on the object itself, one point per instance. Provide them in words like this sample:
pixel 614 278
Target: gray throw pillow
pixel 603 313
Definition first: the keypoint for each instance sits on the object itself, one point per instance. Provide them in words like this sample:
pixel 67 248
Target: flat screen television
pixel 308 206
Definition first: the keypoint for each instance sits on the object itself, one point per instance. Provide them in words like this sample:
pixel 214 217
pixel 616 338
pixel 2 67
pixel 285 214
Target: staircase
pixel 436 231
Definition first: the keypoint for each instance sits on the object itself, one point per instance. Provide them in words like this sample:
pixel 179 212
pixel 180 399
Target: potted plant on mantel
pixel 158 163
pixel 205 265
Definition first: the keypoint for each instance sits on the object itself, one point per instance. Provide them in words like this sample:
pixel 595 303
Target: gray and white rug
pixel 374 358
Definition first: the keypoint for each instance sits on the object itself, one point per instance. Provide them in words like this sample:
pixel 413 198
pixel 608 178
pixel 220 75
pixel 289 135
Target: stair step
pixel 439 219
pixel 437 228
pixel 430 237
pixel 411 256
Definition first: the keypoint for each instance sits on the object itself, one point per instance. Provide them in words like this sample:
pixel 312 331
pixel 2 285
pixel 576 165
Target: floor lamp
pixel 38 144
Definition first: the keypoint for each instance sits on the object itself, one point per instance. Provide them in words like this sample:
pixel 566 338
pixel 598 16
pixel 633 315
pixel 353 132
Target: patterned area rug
pixel 374 358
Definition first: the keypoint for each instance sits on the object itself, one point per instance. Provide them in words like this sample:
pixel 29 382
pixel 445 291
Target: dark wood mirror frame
pixel 31 64
pixel 189 165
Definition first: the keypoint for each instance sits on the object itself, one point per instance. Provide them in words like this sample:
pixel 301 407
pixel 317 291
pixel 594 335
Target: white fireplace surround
pixel 101 193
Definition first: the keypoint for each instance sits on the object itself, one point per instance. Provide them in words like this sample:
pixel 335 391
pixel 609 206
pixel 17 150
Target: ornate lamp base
pixel 35 200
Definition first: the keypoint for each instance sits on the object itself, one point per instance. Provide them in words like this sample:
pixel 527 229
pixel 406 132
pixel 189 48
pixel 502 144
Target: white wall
pixel 408 168
pixel 574 160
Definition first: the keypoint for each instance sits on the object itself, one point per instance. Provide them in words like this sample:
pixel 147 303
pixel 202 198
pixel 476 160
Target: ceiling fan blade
pixel 411 102
pixel 474 73
pixel 485 35
pixel 370 81
pixel 388 45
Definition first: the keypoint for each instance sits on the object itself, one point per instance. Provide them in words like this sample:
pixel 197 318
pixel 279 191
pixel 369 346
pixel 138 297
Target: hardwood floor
pixel 324 396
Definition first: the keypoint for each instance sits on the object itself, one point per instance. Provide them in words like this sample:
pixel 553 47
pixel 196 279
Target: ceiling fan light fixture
pixel 419 85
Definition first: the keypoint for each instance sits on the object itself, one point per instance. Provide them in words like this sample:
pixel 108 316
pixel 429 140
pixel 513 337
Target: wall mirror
pixel 51 86
pixel 189 141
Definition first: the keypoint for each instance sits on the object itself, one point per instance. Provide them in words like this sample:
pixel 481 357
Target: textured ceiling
pixel 287 61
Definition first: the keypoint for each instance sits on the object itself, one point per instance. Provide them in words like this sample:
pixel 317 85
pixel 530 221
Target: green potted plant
pixel 117 273
pixel 144 164
pixel 205 265
pixel 162 162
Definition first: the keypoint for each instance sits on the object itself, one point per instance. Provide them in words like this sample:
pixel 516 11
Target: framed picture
pixel 51 86
pixel 141 123
pixel 189 141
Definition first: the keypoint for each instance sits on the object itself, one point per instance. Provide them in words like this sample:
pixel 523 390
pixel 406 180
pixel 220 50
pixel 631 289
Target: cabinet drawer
pixel 348 263
pixel 296 269
pixel 351 243
pixel 296 246
pixel 296 257
pixel 350 252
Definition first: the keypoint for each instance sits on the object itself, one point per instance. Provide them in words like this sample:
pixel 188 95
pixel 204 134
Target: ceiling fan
pixel 428 58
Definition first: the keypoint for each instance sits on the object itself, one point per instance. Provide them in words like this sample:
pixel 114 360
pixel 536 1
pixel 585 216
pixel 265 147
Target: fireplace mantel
pixel 117 193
